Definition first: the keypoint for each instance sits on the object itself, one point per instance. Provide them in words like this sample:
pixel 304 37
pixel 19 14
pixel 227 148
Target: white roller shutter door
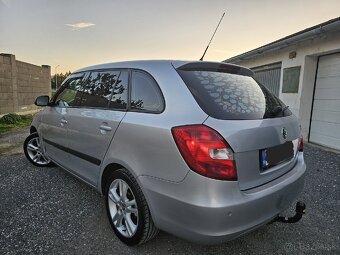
pixel 325 124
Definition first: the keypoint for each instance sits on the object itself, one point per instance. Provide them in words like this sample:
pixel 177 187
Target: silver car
pixel 197 149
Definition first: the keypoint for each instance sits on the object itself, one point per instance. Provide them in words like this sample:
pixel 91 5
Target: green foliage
pixel 11 121
pixel 26 117
pixel 10 118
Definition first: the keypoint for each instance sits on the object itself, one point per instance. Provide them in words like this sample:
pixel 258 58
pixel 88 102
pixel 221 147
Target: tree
pixel 60 78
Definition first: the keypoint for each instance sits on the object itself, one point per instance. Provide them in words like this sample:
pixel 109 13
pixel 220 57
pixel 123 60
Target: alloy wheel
pixel 35 152
pixel 123 208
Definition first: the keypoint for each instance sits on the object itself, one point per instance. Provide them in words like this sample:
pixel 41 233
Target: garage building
pixel 303 70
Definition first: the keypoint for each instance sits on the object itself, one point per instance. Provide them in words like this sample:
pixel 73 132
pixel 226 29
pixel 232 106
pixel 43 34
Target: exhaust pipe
pixel 300 210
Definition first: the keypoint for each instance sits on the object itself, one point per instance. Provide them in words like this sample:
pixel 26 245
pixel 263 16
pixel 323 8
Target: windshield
pixel 232 96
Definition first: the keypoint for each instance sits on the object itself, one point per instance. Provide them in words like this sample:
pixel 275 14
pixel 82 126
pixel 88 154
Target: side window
pixel 98 89
pixel 119 92
pixel 71 94
pixel 145 93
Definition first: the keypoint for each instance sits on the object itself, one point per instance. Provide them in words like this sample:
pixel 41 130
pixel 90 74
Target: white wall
pixel 307 53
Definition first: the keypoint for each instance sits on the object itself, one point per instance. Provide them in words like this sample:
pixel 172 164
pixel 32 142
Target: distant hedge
pixel 13 118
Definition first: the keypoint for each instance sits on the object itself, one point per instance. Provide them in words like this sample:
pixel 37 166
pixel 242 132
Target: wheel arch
pixel 33 129
pixel 114 166
pixel 106 174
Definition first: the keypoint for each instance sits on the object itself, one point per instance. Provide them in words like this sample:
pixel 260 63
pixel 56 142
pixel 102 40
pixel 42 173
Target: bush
pixel 26 117
pixel 10 118
pixel 13 118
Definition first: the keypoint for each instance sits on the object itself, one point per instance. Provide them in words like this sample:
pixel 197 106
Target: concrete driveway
pixel 47 211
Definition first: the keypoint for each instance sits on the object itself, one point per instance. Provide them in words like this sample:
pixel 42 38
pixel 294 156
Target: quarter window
pixel 71 94
pixel 145 94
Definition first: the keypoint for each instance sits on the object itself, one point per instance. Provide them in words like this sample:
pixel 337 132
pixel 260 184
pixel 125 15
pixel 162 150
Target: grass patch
pixel 13 121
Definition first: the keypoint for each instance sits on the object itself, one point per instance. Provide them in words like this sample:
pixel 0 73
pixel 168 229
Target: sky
pixel 79 33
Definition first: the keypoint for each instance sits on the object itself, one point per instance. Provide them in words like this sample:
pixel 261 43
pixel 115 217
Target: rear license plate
pixel 276 155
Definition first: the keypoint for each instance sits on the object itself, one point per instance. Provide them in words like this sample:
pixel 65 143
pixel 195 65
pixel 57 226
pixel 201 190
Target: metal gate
pixel 269 75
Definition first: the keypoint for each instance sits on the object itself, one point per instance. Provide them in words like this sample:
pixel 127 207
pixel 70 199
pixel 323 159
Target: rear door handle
pixel 63 122
pixel 105 127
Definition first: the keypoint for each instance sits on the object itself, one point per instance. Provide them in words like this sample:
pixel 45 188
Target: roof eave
pixel 312 32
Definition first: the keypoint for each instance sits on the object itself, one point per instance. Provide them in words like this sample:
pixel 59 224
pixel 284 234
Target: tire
pixel 133 224
pixel 34 153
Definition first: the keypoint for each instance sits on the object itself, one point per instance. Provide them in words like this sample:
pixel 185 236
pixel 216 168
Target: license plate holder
pixel 276 155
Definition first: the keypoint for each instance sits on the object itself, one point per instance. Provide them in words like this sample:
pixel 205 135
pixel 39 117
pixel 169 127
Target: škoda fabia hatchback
pixel 197 149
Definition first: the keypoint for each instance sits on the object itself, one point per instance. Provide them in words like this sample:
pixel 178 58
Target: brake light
pixel 301 143
pixel 205 151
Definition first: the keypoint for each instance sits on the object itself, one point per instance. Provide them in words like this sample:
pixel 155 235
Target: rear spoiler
pixel 216 67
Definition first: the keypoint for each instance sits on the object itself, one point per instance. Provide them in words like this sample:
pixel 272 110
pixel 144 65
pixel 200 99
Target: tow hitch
pixel 299 211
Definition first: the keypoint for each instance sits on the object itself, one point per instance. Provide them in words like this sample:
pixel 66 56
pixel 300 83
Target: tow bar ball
pixel 299 211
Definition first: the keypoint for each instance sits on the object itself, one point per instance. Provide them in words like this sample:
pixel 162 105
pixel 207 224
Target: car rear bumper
pixel 209 211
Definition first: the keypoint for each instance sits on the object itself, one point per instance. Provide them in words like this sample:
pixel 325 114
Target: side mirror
pixel 42 101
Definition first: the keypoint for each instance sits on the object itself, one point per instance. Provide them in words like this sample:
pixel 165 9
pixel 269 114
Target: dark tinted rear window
pixel 232 96
pixel 119 92
pixel 98 89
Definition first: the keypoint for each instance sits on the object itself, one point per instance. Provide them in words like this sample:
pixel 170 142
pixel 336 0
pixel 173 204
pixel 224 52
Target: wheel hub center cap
pixel 121 206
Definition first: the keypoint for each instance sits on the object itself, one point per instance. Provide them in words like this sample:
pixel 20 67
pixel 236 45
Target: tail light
pixel 300 143
pixel 205 151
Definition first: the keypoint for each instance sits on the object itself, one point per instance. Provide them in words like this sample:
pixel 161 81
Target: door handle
pixel 105 127
pixel 63 122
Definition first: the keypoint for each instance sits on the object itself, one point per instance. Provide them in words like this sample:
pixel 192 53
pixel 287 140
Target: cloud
pixel 80 25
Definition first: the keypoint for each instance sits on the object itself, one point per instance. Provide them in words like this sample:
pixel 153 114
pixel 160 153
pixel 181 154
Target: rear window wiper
pixel 279 109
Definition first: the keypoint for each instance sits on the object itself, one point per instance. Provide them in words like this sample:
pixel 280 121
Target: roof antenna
pixel 201 59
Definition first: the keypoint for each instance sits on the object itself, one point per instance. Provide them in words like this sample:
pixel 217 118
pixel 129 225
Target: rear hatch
pixel 260 129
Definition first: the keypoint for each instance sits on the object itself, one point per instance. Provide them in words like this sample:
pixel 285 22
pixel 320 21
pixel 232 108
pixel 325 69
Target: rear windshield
pixel 232 96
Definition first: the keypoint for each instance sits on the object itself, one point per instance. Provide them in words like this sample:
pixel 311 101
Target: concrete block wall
pixel 21 83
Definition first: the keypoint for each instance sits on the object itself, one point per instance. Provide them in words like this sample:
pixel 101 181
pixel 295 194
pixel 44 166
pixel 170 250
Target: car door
pixel 92 125
pixel 53 128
